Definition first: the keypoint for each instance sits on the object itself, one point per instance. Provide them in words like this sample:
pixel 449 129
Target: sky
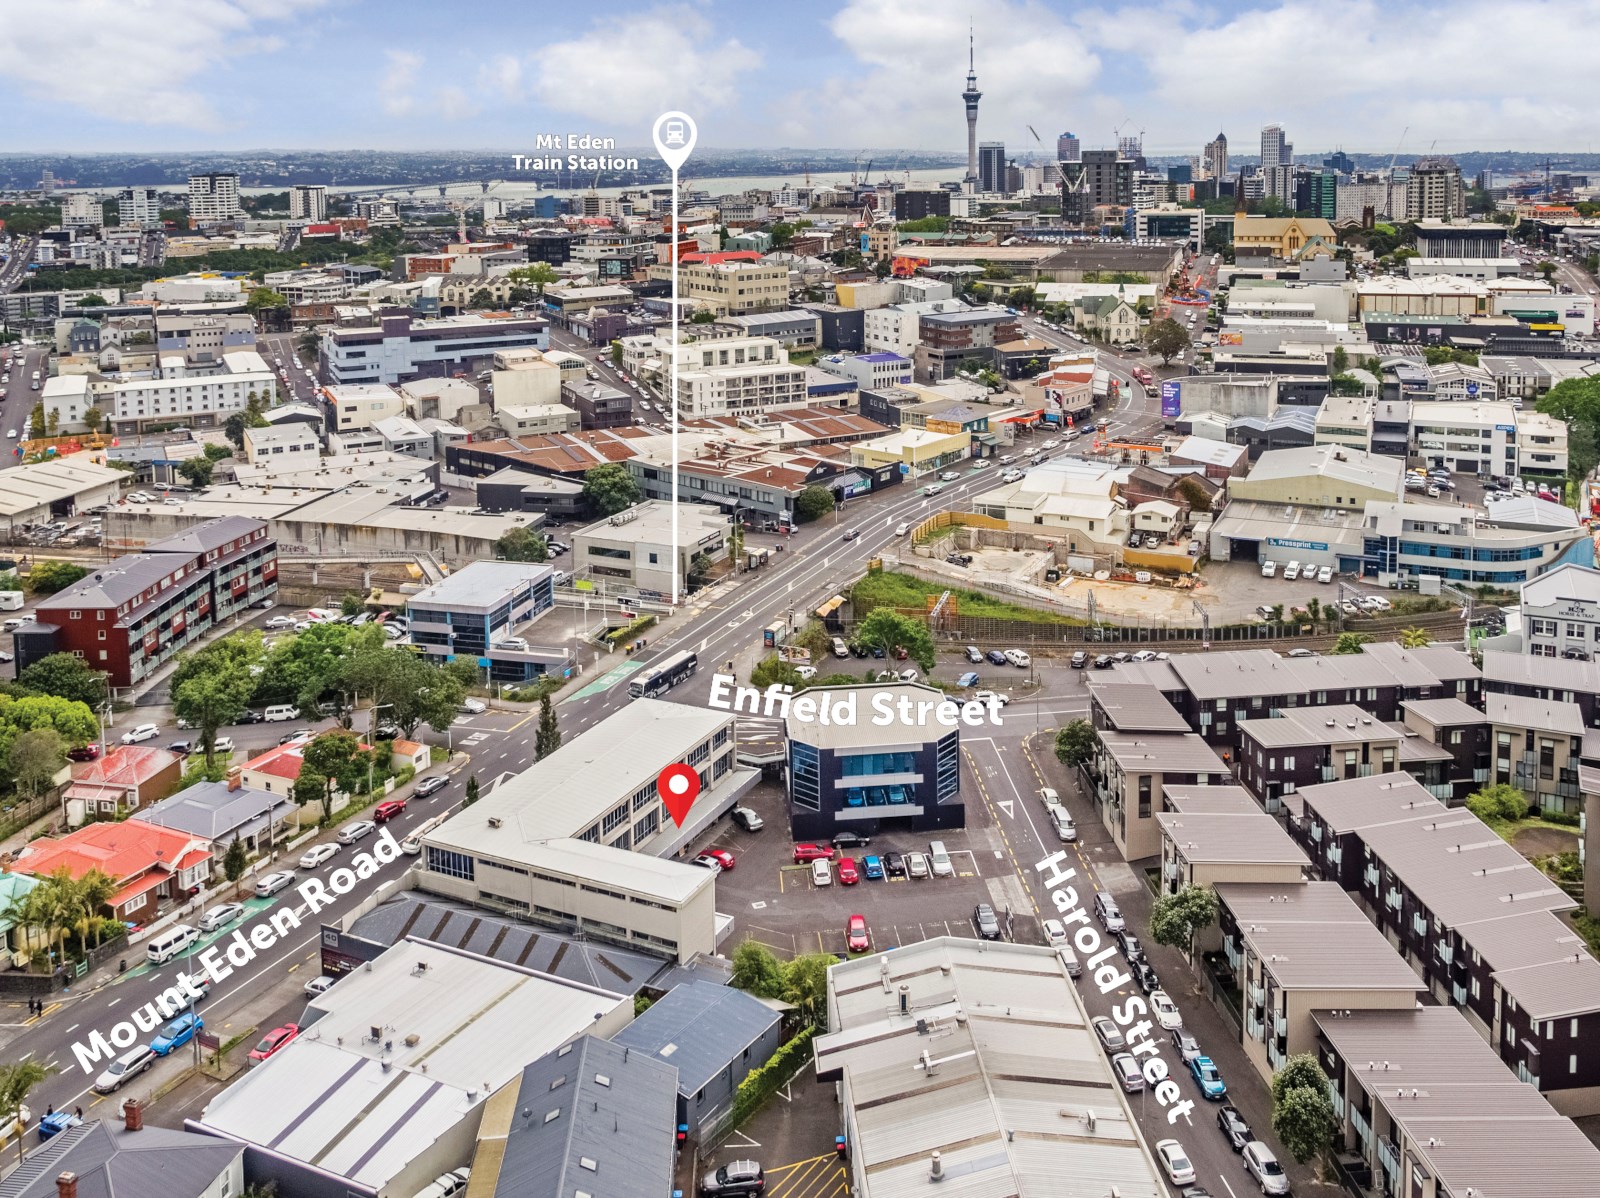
pixel 192 75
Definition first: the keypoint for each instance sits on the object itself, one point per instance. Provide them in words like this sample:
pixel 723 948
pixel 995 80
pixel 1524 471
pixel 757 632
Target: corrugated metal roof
pixel 1214 800
pixel 1016 1070
pixel 1537 715
pixel 1163 752
pixel 1313 937
pixel 111 1163
pixel 699 1028
pixel 1249 837
pixel 1137 708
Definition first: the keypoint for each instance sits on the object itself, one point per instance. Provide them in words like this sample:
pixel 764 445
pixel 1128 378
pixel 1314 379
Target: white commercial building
pixel 1488 438
pixel 896 328
pixel 385 1087
pixel 139 207
pixel 214 197
pixel 81 211
pixel 195 289
pixel 191 397
pixel 632 551
pixel 361 405
pixel 1561 614
pixel 399 348
pixel 67 398
pixel 308 286
pixel 736 376
pixel 582 840
pixel 536 419
pixel 283 447
pixel 524 378
pixel 308 202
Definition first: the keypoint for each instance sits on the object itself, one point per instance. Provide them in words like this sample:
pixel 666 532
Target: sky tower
pixel 972 95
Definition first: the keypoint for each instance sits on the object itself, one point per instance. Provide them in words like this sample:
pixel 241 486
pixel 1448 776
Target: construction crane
pixel 1060 169
pixel 1397 145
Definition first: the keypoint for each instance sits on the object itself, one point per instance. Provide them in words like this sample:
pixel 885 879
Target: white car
pixel 982 464
pixel 1324 573
pixel 806 672
pixel 1000 698
pixel 1166 1011
pixel 274 882
pixel 1055 933
pixel 220 917
pixel 822 872
pixel 143 732
pixel 473 706
pixel 1291 572
pixel 1269 569
pixel 949 476
pixel 319 985
pixel 1175 1161
pixel 317 854
pixel 351 833
pixel 281 622
pixel 1019 658
pixel 1262 1164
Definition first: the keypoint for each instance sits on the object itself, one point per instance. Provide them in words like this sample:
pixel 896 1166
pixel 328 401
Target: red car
pixel 86 753
pixel 855 934
pixel 721 856
pixel 274 1040
pixel 847 871
pixel 388 809
pixel 812 852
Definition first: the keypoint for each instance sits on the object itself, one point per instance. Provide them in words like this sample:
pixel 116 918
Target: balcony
pixel 1280 1023
pixel 1335 854
pixel 1316 833
pixel 1369 876
pixel 1393 899
pixel 1447 952
pixel 1256 995
pixel 1363 1128
pixel 1458 994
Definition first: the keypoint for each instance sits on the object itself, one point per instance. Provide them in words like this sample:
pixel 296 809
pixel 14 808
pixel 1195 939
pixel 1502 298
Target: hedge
pixel 630 630
pixel 760 1084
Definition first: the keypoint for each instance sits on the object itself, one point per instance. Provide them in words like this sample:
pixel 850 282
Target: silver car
pixel 1264 1167
pixel 1128 1072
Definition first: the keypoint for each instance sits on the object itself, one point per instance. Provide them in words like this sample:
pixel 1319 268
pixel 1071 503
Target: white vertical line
pixel 672 400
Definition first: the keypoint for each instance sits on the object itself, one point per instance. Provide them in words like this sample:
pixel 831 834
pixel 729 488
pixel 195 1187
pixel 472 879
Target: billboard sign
pixel 1230 338
pixel 866 242
pixel 1286 543
pixel 1171 398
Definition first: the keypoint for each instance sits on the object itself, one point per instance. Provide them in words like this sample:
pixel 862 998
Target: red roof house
pixel 149 863
pixel 125 779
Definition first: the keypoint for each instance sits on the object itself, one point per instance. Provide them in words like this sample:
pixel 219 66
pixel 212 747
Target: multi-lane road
pixel 15 267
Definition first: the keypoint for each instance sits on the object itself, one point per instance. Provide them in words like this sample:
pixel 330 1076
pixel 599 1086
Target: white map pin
pixel 674 135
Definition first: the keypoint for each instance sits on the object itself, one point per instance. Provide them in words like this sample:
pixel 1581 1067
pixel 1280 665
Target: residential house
pixel 222 812
pixel 126 779
pixel 149 864
pixel 99 1159
pixel 1109 318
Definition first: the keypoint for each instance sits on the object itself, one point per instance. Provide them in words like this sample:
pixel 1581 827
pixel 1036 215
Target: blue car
pixel 968 679
pixel 996 657
pixel 177 1033
pixel 1209 1080
pixel 873 868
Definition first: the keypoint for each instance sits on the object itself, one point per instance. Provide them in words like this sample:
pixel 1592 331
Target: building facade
pixel 400 348
pixel 213 198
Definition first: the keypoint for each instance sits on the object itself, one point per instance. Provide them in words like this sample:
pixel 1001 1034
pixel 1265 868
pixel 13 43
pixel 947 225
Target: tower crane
pixel 1397 145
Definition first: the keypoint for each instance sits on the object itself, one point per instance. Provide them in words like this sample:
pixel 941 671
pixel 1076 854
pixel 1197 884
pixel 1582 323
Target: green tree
pixel 66 676
pixel 216 453
pixel 197 471
pixel 774 671
pixel 610 489
pixel 756 970
pixel 212 686
pixel 36 422
pixel 812 504
pixel 472 791
pixel 336 757
pixel 262 298
pixel 616 353
pixel 17 1080
pixel 234 861
pixel 538 276
pixel 350 604
pixel 28 713
pixel 1302 1111
pixel 1350 642
pixel 1499 801
pixel 47 578
pixel 1166 338
pixel 1415 638
pixel 93 418
pixel 1175 918
pixel 548 739
pixel 251 417
pixel 1547 269
pixel 1074 742
pixel 702 316
pixel 1194 494
pixel 782 234
pixel 805 984
pixel 36 757
pixel 309 787
pixel 1338 361
pixel 889 630
pixel 522 545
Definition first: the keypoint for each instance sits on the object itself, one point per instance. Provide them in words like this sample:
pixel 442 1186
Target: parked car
pixel 430 786
pixel 848 874
pixel 850 840
pixel 274 882
pixel 721 856
pixel 1079 660
pixel 1208 1078
pixel 89 752
pixel 317 854
pixel 974 655
pixel 274 1041
pixel 735 1178
pixel 705 862
pixel 142 732
pixel 1166 1011
pixel 856 937
pixel 177 1032
pixel 999 698
pixel 821 872
pixel 1185 1045
pixel 970 678
pixel 1130 946
pixel 1144 974
pixel 996 657
pixel 220 916
pixel 318 986
pixel 894 865
pixel 747 819
pixel 1269 569
pixel 985 920
pixel 812 852
pixel 1109 1034
pixel 1175 1162
pixel 872 867
pixel 388 810
pixel 1234 1128
pixel 351 833
pixel 948 476
pixel 124 1069
pixel 473 707
pixel 1324 573
pixel 1104 662
pixel 1262 1164
pixel 1018 658
pixel 1055 932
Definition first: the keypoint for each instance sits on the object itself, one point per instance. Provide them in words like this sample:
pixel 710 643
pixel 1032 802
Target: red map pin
pixel 678 786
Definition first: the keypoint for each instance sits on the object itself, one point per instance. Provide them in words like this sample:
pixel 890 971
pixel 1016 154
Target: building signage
pixel 1505 428
pixel 1284 543
pixel 1472 388
pixel 1171 398
pixel 866 242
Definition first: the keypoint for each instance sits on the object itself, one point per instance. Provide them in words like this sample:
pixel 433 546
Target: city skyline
pixel 306 74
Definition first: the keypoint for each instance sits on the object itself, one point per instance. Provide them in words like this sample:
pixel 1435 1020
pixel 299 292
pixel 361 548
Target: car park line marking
pixel 747 1141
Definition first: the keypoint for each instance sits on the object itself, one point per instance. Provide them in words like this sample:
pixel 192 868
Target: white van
pixel 279 711
pixel 11 600
pixel 939 860
pixel 170 943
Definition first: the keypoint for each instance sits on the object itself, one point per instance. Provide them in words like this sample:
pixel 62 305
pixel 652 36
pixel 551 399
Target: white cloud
pixel 626 71
pixel 129 63
pixel 1468 74
pixel 399 83
pixel 452 104
pixel 1033 68
pixel 501 76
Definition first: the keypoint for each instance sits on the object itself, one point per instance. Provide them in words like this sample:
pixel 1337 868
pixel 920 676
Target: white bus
pixel 664 675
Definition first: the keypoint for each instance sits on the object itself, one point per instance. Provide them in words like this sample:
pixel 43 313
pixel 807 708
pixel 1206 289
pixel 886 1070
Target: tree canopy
pixel 66 676
pixel 1175 918
pixel 890 630
pixel 522 545
pixel 812 504
pixel 1302 1112
pixel 212 686
pixel 1167 338
pixel 1074 742
pixel 610 489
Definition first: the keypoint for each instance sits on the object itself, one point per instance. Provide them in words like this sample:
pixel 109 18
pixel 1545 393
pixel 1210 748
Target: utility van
pixel 170 943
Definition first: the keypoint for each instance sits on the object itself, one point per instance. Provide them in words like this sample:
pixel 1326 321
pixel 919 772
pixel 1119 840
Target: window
pixel 451 864
pixel 613 818
pixel 74 615
pixel 868 764
pixel 1144 796
pixel 647 826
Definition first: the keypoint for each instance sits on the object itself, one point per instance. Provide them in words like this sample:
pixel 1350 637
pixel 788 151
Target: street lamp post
pixel 372 736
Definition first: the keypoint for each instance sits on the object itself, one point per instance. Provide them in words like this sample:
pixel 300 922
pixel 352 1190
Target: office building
pixel 81 211
pixel 139 207
pixel 1434 191
pixel 915 205
pixel 1276 149
pixel 1316 192
pixel 308 202
pixel 1067 147
pixel 213 197
pixel 1100 179
pixel 991 166
pixel 1449 239
pixel 474 611
pixel 975 1062
pixel 729 287
pixel 1561 614
pixel 631 552
pixel 738 376
pixel 400 348
pixel 1214 159
pixel 867 777
pixel 136 612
